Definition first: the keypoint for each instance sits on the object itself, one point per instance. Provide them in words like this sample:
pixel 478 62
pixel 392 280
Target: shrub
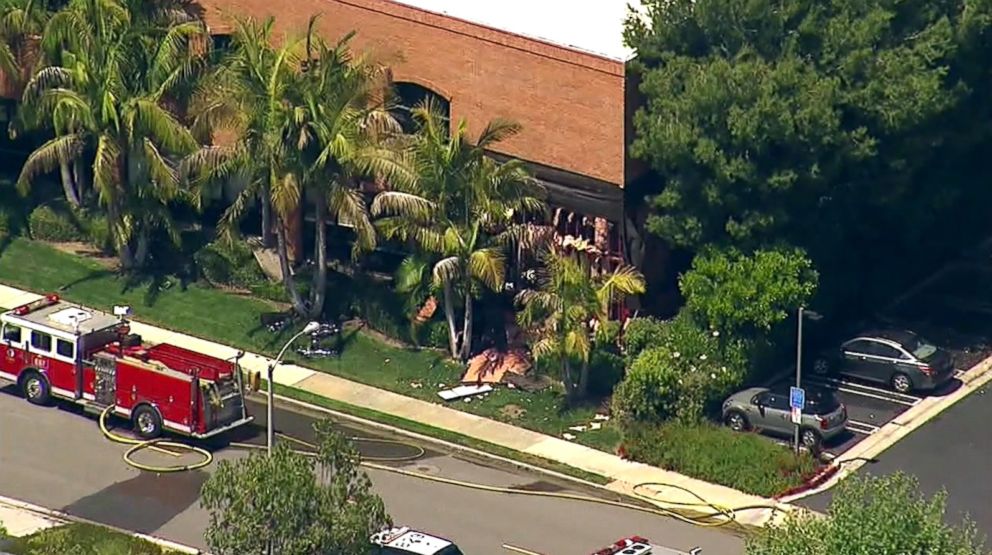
pixel 605 372
pixel 640 334
pixel 46 224
pixel 687 372
pixel 96 230
pixel 744 461
pixel 229 263
pixel 747 294
pixel 433 334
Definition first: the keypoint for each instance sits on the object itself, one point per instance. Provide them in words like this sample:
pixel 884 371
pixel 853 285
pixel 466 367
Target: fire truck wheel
pixel 36 390
pixel 147 422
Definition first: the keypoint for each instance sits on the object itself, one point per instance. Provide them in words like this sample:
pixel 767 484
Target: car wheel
pixel 901 383
pixel 821 366
pixel 147 422
pixel 809 439
pixel 36 389
pixel 736 421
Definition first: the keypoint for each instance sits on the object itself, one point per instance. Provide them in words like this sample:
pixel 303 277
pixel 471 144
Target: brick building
pixel 557 67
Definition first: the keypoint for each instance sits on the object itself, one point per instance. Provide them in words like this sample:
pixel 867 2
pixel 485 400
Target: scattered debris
pixel 416 385
pixel 595 426
pixel 492 366
pixel 464 391
pixel 601 417
pixel 568 437
pixel 578 428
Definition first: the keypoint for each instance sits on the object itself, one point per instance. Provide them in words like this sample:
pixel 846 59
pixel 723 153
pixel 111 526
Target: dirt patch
pixel 87 251
pixel 512 412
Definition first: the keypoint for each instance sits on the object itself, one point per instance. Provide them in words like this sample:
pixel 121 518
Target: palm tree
pixel 307 125
pixel 462 210
pixel 567 308
pixel 103 96
pixel 21 23
pixel 345 135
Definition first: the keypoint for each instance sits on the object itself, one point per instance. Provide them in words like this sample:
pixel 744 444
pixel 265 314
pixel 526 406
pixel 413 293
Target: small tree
pixel 872 515
pixel 568 308
pixel 739 293
pixel 302 505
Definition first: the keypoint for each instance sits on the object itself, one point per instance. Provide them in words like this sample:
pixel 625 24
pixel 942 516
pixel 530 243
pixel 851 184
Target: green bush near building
pixel 48 224
pixel 744 461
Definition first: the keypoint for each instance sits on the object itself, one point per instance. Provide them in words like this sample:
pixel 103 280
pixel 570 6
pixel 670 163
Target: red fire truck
pixel 54 349
pixel 636 545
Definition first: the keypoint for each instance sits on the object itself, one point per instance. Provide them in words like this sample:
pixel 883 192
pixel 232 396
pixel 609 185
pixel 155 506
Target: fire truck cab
pixel 56 350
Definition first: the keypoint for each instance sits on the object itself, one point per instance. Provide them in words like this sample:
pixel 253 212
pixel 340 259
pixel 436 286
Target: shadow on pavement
pixel 144 503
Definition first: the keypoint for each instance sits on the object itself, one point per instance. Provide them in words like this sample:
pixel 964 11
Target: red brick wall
pixel 570 104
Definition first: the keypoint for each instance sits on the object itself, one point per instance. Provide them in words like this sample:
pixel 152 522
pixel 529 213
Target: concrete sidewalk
pixel 21 519
pixel 662 487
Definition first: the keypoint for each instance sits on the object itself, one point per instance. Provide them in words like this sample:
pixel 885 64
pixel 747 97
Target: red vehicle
pixel 636 545
pixel 54 349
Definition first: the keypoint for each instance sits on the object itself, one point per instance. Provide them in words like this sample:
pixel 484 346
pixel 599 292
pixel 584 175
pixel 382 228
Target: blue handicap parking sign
pixel 797 397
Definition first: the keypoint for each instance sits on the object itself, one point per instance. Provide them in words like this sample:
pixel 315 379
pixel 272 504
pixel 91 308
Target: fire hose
pixel 699 512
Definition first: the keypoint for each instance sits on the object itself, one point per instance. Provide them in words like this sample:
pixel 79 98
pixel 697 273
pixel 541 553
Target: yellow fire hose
pixel 699 512
pixel 154 444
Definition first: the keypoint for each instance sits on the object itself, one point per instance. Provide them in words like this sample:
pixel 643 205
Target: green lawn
pixel 233 320
pixel 80 539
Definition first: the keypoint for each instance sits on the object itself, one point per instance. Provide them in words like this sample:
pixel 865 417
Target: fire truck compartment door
pixel 105 379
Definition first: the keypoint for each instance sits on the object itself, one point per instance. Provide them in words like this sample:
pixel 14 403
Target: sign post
pixel 797 400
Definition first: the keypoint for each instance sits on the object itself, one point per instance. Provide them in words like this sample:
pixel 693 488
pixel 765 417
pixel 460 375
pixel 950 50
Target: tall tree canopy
pixel 823 122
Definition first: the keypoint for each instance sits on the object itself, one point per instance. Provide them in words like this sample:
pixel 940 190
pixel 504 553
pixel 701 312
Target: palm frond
pixel 348 204
pixel 496 131
pixel 447 270
pixel 489 267
pixel 393 203
pixel 624 281
pixel 46 158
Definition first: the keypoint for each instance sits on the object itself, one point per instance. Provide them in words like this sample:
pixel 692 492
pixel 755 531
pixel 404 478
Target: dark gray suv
pixel 900 359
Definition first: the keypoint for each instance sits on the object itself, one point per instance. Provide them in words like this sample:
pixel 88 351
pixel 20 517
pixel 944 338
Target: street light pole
pixel 799 364
pixel 270 432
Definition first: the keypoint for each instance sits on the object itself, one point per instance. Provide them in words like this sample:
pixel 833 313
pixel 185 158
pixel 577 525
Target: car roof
pixel 901 337
pixel 412 541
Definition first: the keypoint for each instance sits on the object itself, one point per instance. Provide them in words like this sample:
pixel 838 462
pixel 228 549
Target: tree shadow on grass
pixel 90 276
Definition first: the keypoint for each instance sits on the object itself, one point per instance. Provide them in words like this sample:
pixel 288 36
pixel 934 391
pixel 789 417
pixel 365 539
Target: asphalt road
pixel 953 452
pixel 58 459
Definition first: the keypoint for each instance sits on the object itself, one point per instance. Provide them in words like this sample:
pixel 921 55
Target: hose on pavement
pixel 154 444
pixel 699 511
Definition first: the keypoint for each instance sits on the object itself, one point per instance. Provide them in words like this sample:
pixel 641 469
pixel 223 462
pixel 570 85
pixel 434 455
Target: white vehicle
pixel 404 541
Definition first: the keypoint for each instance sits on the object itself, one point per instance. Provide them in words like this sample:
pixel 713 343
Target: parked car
pixel 405 541
pixel 765 410
pixel 901 359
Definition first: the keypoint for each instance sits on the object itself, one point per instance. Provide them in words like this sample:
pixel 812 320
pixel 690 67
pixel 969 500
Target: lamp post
pixel 270 433
pixel 813 316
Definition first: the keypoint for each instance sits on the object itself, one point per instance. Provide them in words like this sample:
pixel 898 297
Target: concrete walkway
pixel 662 487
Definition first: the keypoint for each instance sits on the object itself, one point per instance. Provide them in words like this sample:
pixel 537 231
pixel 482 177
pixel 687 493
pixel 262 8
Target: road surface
pixel 58 459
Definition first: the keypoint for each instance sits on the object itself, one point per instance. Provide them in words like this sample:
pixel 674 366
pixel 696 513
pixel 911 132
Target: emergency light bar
pixel 122 311
pixel 39 304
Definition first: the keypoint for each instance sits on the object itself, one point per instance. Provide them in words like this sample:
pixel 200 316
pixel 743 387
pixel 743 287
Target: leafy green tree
pixel 105 100
pixel 299 504
pixel 684 373
pixel 735 292
pixel 872 515
pixel 569 308
pixel 21 23
pixel 460 211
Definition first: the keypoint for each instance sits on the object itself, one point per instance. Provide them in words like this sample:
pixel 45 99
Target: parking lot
pixel 869 407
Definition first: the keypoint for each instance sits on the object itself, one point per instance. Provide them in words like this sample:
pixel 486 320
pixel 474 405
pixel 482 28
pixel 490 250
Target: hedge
pixel 743 461
pixel 47 224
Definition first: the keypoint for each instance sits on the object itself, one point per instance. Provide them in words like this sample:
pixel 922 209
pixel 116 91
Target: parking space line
pixel 862 428
pixel 889 392
pixel 868 391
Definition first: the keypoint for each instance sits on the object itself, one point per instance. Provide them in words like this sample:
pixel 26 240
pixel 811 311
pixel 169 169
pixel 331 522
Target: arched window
pixel 408 96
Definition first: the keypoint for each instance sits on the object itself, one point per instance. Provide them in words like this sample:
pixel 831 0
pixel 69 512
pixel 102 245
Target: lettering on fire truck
pixel 56 350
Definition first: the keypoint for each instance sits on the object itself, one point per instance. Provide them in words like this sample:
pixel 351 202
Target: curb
pixel 65 518
pixel 815 481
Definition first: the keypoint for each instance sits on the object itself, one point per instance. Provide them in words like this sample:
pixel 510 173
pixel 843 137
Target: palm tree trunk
pixel 449 314
pixel 80 177
pixel 319 290
pixel 566 378
pixel 266 218
pixel 287 276
pixel 68 186
pixel 142 247
pixel 467 328
pixel 583 389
